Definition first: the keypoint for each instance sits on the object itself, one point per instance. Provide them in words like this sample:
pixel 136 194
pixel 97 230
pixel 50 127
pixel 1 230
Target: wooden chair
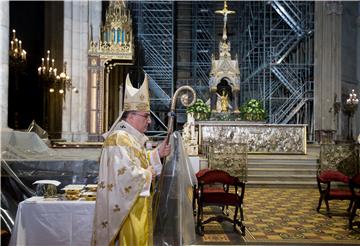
pixel 325 182
pixel 196 190
pixel 338 163
pixel 229 157
pixel 355 191
pixel 223 198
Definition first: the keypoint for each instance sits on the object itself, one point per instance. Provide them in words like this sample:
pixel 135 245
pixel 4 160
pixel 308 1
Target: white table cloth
pixel 43 222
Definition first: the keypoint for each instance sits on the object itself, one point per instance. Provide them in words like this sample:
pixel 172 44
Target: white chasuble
pixel 123 200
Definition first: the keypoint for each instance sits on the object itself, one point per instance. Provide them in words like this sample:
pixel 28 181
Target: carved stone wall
pixel 260 138
pixel 229 157
pixel 341 157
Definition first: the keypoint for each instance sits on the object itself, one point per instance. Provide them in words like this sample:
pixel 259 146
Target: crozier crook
pixel 184 100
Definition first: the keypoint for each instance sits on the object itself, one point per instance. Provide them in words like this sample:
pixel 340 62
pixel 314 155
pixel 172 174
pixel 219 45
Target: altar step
pixel 267 170
pixel 282 170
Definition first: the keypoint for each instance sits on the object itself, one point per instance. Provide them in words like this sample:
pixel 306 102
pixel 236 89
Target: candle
pixel 12 45
pixel 20 45
pixel 14 33
pixel 42 62
pixel 52 62
pixel 39 70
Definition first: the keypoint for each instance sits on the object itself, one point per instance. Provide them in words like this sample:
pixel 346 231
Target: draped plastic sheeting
pixel 17 145
pixel 174 220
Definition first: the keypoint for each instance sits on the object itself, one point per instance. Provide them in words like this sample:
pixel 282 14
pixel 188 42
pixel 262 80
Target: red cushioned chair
pixel 355 191
pixel 325 179
pixel 223 198
pixel 196 191
pixel 207 189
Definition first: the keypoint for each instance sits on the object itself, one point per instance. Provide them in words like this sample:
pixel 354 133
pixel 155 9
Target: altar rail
pixel 260 138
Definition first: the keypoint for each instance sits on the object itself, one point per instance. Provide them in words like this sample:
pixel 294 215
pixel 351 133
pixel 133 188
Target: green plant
pixel 252 110
pixel 200 109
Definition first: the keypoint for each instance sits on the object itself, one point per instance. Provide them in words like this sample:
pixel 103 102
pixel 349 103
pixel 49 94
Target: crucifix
pixel 225 12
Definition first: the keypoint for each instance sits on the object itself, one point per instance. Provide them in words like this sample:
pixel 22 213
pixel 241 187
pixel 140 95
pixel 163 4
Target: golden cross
pixel 225 12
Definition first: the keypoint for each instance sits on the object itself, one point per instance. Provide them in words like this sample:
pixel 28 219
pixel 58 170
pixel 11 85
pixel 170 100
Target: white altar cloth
pixel 43 222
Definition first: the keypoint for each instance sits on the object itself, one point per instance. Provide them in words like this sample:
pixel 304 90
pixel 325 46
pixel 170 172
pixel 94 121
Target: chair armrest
pixel 331 175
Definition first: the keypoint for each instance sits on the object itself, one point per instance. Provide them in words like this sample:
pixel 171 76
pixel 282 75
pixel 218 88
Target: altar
pixel 260 137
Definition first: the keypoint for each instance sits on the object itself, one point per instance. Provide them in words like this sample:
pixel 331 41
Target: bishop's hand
pixel 164 149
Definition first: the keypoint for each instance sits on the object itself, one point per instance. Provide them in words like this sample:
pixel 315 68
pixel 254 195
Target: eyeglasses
pixel 146 116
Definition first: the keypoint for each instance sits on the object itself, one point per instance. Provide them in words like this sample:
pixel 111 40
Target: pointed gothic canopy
pixel 117 42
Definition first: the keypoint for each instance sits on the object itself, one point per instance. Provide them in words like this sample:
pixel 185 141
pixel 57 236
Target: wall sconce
pixel 63 82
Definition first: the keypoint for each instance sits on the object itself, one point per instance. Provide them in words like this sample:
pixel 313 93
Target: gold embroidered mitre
pixel 137 99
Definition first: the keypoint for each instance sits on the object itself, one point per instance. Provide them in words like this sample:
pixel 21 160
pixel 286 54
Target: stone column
pixel 76 41
pixel 327 68
pixel 53 41
pixel 4 63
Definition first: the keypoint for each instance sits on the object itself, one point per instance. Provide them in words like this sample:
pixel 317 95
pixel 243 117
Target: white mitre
pixel 136 99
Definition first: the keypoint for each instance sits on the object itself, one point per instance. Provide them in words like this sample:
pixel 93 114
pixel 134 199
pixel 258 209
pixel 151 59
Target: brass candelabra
pixel 350 108
pixel 64 82
pixel 16 50
pixel 47 71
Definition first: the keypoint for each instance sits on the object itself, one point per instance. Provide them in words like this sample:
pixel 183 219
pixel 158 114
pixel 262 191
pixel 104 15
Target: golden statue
pixel 224 102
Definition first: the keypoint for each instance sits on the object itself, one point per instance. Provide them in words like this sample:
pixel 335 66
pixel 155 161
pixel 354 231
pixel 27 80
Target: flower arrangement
pixel 200 109
pixel 252 110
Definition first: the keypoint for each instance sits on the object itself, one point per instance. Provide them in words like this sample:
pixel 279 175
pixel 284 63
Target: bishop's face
pixel 140 120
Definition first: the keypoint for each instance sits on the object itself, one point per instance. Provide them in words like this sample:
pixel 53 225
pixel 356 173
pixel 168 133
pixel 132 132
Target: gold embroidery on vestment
pixel 116 208
pixel 127 189
pixel 121 171
pixel 110 186
pixel 101 185
pixel 104 224
pixel 118 140
pixel 142 157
